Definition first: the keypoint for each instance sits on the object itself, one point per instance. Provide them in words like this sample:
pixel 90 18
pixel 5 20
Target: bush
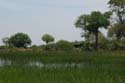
pixel 3 47
pixel 20 40
pixel 64 45
pixel 116 45
pixel 83 45
pixel 49 47
pixel 34 46
pixel 88 46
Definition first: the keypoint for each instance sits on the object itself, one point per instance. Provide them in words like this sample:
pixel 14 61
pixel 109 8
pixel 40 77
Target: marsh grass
pixel 100 67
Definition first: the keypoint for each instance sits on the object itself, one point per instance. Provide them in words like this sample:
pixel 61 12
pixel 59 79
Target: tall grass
pixel 101 67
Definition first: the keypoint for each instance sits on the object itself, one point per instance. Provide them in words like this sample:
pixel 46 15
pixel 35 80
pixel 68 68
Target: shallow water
pixel 5 63
pixel 56 65
pixel 39 64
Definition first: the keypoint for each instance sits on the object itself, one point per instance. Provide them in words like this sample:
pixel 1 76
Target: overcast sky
pixel 37 17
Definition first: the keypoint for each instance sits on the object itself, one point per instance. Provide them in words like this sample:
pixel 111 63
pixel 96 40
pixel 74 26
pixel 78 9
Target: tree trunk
pixel 96 42
pixel 47 42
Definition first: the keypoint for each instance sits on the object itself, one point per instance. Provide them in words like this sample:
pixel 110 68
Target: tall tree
pixel 118 7
pixel 91 23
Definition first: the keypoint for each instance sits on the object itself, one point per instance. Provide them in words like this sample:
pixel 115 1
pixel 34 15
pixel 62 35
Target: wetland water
pixel 56 65
pixel 38 64
pixel 5 62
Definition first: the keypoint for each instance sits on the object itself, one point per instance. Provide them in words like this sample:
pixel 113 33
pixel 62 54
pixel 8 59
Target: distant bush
pixel 33 46
pixel 20 40
pixel 88 46
pixel 116 45
pixel 3 47
pixel 49 47
pixel 83 45
pixel 48 38
pixel 64 45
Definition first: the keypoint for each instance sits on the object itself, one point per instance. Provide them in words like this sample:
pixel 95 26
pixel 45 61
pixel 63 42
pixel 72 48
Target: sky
pixel 38 17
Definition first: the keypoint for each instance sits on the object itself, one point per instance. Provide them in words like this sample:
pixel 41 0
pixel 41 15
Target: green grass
pixel 36 75
pixel 101 67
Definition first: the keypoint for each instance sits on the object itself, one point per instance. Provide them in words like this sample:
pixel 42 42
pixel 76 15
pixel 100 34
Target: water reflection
pixel 56 65
pixel 5 62
pixel 38 64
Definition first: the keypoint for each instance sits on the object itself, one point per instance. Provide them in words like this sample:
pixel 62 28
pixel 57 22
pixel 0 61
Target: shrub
pixel 49 47
pixel 116 45
pixel 64 45
pixel 20 40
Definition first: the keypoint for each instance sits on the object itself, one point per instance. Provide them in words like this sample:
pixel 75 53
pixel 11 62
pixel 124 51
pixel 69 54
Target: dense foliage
pixel 47 38
pixel 91 24
pixel 64 45
pixel 117 31
pixel 118 7
pixel 20 40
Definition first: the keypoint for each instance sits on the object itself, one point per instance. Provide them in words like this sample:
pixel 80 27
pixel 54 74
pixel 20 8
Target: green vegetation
pixel 92 23
pixel 20 40
pixel 99 67
pixel 70 62
pixel 64 56
pixel 47 38
pixel 36 75
pixel 64 45
pixel 118 7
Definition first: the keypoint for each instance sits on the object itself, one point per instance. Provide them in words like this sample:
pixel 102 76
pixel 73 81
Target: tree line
pixel 112 20
pixel 22 40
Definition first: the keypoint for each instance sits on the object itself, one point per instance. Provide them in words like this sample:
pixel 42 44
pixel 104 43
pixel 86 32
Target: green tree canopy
pixel 118 7
pixel 47 38
pixel 117 31
pixel 91 23
pixel 20 40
